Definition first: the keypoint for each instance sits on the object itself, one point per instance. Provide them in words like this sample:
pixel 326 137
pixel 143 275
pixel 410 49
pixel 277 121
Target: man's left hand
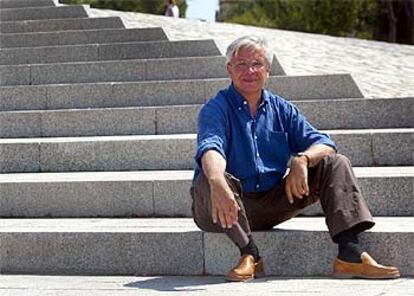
pixel 297 181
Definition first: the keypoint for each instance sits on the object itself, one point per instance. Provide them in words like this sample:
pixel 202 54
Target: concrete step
pixel 130 70
pixel 388 191
pixel 144 247
pixel 25 3
pixel 276 69
pixel 103 52
pixel 61 25
pixel 38 13
pixel 37 285
pixel 323 114
pixel 387 147
pixel 162 93
pixel 108 35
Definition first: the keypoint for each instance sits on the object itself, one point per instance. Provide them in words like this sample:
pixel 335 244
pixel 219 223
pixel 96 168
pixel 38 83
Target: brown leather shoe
pixel 368 269
pixel 246 270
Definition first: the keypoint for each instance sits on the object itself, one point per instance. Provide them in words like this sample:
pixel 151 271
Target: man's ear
pixel 228 67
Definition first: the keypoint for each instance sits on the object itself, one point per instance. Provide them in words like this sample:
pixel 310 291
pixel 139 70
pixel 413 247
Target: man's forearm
pixel 224 207
pixel 316 152
pixel 214 166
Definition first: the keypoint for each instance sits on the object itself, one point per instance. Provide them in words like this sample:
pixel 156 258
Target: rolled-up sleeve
pixel 302 134
pixel 211 133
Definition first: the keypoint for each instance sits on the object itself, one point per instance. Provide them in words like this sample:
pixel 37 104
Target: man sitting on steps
pixel 246 138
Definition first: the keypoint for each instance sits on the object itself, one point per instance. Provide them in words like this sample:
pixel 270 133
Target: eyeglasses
pixel 244 66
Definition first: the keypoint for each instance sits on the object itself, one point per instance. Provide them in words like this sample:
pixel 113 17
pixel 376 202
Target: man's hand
pixel 224 206
pixel 297 180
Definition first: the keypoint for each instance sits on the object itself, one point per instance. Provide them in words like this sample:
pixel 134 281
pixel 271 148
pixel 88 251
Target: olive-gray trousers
pixel 332 182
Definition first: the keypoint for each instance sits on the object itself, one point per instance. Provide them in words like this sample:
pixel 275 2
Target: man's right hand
pixel 224 207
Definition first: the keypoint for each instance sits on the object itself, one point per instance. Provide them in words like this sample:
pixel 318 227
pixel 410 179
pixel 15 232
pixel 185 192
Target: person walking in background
pixel 172 9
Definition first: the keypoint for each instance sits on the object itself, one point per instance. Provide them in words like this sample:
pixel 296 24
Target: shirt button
pixel 245 102
pixel 257 186
pixel 255 137
pixel 264 109
pixel 257 154
pixel 240 108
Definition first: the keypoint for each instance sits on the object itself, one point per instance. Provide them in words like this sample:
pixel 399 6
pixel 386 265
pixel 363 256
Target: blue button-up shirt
pixel 257 150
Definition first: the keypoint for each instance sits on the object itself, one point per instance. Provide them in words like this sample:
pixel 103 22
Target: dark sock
pixel 349 249
pixel 250 249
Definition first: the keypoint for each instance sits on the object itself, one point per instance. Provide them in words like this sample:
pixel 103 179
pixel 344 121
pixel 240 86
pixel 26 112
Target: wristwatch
pixel 300 154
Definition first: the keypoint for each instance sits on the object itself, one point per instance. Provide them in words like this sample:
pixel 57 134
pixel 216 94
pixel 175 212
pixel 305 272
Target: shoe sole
pixel 359 276
pixel 246 279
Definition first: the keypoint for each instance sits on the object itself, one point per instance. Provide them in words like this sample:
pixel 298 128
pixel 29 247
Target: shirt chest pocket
pixel 273 147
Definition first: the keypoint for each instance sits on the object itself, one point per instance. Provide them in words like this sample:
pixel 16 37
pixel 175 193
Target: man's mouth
pixel 249 80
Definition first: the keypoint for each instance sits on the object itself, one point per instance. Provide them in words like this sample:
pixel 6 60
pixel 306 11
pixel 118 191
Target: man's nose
pixel 251 69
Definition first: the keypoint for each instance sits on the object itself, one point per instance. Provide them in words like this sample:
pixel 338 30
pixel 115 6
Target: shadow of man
pixel 176 283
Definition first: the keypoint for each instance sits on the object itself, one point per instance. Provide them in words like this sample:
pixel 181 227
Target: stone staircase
pixel 97 127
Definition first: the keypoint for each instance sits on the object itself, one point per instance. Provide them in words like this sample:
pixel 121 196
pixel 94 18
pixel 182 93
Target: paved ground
pixel 125 286
pixel 380 69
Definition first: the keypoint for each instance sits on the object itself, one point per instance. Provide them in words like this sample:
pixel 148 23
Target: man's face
pixel 249 71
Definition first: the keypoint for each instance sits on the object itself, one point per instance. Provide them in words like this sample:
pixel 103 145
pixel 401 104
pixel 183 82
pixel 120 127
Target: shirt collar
pixel 265 97
pixel 237 100
pixel 235 97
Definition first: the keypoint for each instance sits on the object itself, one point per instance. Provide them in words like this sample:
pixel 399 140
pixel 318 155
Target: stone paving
pixel 15 285
pixel 380 69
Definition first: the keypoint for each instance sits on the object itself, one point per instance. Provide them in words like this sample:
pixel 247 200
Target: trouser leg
pixel 265 210
pixel 200 192
pixel 333 180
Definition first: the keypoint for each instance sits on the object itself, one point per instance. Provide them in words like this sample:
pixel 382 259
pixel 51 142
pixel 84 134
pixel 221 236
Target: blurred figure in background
pixel 172 9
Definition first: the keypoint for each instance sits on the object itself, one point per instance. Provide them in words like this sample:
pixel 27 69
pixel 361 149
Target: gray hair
pixel 248 42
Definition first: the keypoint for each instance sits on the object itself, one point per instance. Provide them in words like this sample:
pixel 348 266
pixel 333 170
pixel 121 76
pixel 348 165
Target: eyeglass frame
pixel 244 66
